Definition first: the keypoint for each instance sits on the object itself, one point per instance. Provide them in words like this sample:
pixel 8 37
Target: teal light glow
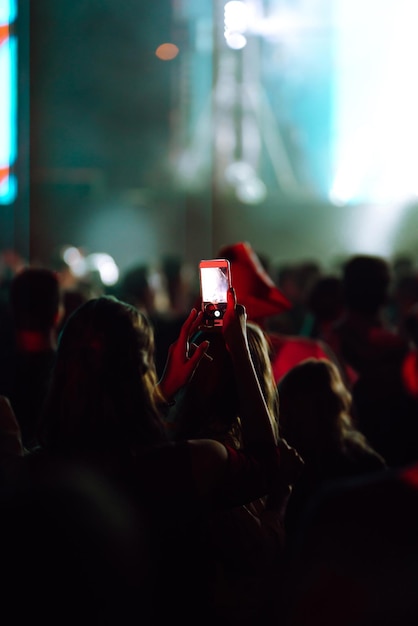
pixel 375 102
pixel 8 102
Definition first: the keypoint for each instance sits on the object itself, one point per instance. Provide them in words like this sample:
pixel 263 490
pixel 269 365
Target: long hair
pixel 315 410
pixel 260 351
pixel 102 389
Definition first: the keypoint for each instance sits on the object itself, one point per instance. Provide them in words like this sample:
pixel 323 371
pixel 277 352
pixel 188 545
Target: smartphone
pixel 215 281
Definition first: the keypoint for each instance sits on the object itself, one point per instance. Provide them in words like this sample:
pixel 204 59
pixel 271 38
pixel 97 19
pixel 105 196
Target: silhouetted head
pixel 314 406
pixel 35 299
pixel 136 289
pixel 366 281
pixel 102 389
pixel 326 300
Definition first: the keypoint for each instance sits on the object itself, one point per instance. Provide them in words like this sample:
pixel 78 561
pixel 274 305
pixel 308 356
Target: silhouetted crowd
pixel 264 471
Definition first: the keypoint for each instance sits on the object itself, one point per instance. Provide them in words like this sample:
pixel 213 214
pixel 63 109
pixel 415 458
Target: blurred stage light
pixel 251 191
pixel 375 100
pixel 8 102
pixel 249 188
pixel 236 41
pixel 105 265
pixel 238 171
pixel 167 51
pixel 81 265
pixel 236 16
pixel 71 255
pixel 236 24
pixel 75 260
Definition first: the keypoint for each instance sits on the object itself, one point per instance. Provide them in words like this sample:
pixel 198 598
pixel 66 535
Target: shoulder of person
pixel 208 452
pixel 209 460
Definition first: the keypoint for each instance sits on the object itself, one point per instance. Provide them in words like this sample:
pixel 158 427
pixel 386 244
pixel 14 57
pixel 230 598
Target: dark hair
pixel 366 281
pixel 102 388
pixel 260 350
pixel 135 287
pixel 315 409
pixel 326 299
pixel 35 299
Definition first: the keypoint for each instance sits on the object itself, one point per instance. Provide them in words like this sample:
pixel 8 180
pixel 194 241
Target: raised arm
pixel 253 411
pixel 181 362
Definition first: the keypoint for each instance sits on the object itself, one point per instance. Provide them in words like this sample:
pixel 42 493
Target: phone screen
pixel 215 284
pixel 215 281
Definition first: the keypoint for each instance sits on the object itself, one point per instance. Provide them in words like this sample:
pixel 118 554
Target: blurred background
pixel 142 130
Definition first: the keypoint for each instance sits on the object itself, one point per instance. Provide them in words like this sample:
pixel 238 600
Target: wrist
pixel 163 396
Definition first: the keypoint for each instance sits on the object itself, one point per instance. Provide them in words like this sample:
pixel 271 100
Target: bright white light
pixel 375 135
pixel 236 41
pixel 337 198
pixel 79 268
pixel 248 187
pixel 252 191
pixel 239 172
pixel 75 261
pixel 343 188
pixel 374 226
pixel 236 16
pixel 8 10
pixel 105 265
pixel 71 255
pixel 236 23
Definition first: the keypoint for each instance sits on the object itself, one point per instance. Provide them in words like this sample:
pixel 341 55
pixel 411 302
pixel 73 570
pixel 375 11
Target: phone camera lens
pixel 210 309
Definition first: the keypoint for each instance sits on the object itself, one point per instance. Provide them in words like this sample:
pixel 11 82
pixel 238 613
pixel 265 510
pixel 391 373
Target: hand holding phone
pixel 181 359
pixel 234 327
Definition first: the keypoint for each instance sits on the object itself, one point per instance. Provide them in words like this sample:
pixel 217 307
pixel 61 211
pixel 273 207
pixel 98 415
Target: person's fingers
pixel 198 353
pixel 196 323
pixel 241 310
pixel 231 298
pixel 187 324
pixel 194 346
pixel 190 325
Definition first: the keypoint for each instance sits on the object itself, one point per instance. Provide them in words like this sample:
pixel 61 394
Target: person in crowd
pixel 325 306
pixel 355 560
pixel 362 335
pixel 295 280
pixel 71 300
pixel 138 288
pixel 363 340
pixel 208 404
pixel 263 300
pixel 178 279
pixel 403 298
pixel 247 541
pixel 102 412
pixel 135 287
pixel 315 417
pixel 36 309
pixel 177 282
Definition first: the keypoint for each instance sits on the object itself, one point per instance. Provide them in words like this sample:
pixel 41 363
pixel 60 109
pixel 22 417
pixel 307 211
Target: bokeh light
pixel 167 51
